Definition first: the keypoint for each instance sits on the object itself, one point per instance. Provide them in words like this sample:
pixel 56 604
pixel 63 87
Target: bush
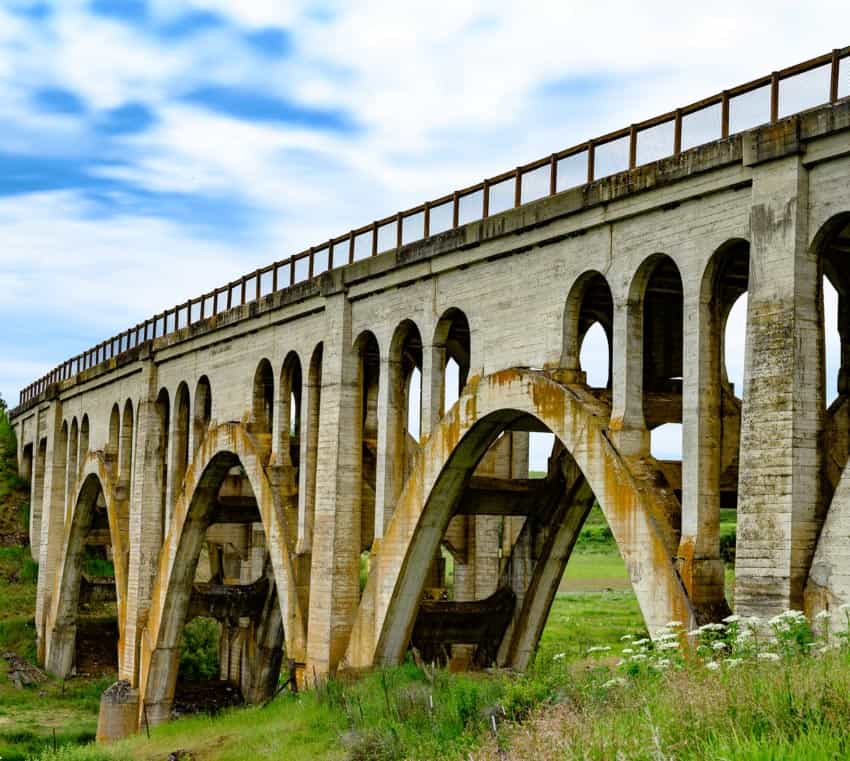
pixel 727 545
pixel 199 650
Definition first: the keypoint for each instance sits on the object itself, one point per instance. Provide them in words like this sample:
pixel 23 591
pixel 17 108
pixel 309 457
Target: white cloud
pixel 444 94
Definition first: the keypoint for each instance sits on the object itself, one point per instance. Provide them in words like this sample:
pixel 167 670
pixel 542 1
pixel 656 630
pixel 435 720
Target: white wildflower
pixel 626 637
pixel 824 615
pixel 768 657
pixel 673 625
pixel 718 646
pixel 643 641
pixel 558 656
pixel 669 646
pixel 712 665
pixel 598 649
pixel 628 650
pixel 732 662
pixel 712 628
pixel 733 619
pixel 617 681
pixel 638 657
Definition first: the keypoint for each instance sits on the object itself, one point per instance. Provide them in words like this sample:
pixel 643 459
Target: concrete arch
pixel 97 477
pixel 574 327
pixel 638 510
pixel 224 447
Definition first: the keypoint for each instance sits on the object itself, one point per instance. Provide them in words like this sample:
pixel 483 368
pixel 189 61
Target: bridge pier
pixel 779 502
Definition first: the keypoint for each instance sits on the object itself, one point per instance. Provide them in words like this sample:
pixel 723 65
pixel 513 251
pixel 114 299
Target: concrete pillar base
pixel 704 578
pixel 630 440
pixel 119 712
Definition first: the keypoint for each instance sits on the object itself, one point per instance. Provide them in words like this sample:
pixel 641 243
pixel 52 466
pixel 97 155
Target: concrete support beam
pixel 146 528
pixel 779 491
pixel 53 521
pixel 335 587
pixel 627 425
pixel 699 549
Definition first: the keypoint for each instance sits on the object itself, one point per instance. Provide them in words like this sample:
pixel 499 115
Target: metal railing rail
pixel 510 189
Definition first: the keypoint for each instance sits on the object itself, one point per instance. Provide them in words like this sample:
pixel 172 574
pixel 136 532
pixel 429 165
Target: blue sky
pixel 153 149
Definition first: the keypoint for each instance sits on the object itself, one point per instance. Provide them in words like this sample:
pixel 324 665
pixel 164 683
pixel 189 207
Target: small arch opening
pixel 452 342
pixel 587 331
pixel 125 462
pixel 84 445
pixel 263 398
pixel 368 352
pixel 203 412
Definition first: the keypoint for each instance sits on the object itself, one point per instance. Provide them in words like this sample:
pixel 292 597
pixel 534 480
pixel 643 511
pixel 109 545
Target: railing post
pixel 485 206
pixel 553 174
pixel 632 147
pixel 455 210
pixel 774 97
pixel 833 76
pixel 399 223
pixel 724 115
pixel 518 189
pixel 677 133
pixel 243 283
pixel 426 220
pixel 374 238
pixel 591 160
pixel 310 264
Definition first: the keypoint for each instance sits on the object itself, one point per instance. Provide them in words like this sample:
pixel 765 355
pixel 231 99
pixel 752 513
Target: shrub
pixel 199 650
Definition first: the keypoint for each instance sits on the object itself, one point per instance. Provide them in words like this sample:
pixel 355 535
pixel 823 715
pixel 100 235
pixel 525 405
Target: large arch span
pixel 224 447
pixel 637 504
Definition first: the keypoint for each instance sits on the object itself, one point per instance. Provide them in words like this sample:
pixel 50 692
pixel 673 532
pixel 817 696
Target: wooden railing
pixel 757 102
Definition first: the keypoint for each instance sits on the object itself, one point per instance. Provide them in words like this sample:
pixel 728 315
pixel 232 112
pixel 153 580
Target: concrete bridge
pixel 249 455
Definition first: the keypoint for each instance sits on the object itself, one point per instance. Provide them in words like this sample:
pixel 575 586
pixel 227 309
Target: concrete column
pixel 700 565
pixel 627 422
pixel 433 365
pixel 779 490
pixel 433 386
pixel 310 397
pixel 146 529
pixel 392 410
pixel 49 545
pixel 335 586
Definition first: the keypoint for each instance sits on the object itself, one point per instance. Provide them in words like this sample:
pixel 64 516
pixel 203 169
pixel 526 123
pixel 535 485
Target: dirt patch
pixel 204 697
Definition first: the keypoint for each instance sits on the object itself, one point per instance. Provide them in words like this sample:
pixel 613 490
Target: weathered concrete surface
pixel 271 441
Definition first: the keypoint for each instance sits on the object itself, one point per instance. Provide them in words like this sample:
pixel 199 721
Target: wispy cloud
pixel 207 137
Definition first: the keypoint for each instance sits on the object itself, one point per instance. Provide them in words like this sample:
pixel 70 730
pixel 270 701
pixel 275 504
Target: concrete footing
pixel 119 712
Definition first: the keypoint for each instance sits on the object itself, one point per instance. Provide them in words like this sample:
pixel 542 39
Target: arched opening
pixel 222 610
pixel 263 401
pixel 663 344
pixel 290 410
pixel 452 353
pixel 202 412
pixel 400 444
pixel 114 435
pixel 832 246
pixel 369 363
pixel 73 458
pixel 307 486
pixel 507 539
pixel 85 634
pixel 37 496
pixel 588 328
pixel 162 424
pixel 289 438
pixel 180 441
pixel 84 445
pixel 125 464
